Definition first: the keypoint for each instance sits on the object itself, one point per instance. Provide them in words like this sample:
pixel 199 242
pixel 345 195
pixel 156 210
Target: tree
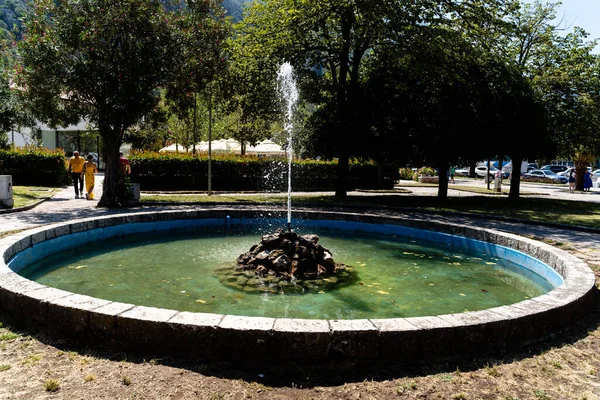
pixel 203 58
pixel 330 43
pixel 570 86
pixel 104 61
pixel 12 113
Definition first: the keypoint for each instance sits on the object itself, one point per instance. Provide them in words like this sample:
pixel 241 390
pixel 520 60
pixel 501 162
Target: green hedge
pixel 32 166
pixel 155 171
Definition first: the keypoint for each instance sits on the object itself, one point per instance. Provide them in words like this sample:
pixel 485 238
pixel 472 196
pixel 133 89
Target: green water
pixel 393 277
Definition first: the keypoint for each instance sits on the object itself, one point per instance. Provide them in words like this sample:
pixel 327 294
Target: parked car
pixel 481 171
pixel 531 167
pixel 541 175
pixel 461 172
pixel 555 168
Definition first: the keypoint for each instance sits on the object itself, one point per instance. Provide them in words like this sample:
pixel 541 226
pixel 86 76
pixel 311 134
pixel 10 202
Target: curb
pixel 25 208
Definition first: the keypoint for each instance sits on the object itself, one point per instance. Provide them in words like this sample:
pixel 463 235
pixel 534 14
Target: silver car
pixel 545 174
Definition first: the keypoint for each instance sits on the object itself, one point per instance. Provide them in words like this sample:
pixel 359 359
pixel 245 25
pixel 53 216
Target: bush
pixel 31 166
pixel 424 171
pixel 159 171
pixel 406 173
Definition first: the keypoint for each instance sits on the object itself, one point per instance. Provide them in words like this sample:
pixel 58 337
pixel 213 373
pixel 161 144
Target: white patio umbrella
pixel 221 146
pixel 173 149
pixel 267 148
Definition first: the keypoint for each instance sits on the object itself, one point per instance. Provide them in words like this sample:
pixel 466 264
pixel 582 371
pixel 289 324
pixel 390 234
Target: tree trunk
pixel 443 180
pixel 515 180
pixel 472 166
pixel 580 170
pixel 342 173
pixel 343 110
pixel 111 145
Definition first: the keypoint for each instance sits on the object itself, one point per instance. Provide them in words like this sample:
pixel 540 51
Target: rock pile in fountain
pixel 286 255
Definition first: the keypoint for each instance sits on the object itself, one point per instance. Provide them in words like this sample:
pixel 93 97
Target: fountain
pixel 417 288
pixel 285 256
pixel 289 93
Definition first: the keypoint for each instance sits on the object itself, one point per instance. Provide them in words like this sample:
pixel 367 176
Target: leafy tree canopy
pixel 104 61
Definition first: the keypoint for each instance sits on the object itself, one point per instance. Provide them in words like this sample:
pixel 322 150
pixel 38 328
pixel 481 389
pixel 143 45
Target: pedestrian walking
pixel 89 169
pixel 124 165
pixel 572 180
pixel 76 171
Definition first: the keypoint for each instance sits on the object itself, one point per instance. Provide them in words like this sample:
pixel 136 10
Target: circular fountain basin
pixel 232 337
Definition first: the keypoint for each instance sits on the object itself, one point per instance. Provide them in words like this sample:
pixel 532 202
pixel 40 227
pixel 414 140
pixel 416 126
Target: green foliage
pixel 34 166
pixel 12 13
pixel 111 58
pixel 156 171
pixel 424 171
pixel 406 173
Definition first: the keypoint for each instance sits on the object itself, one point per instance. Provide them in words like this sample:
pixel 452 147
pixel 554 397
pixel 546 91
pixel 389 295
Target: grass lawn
pixel 27 195
pixel 536 209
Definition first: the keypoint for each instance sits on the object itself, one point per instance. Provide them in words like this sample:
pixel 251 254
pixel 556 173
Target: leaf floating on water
pixel 78 267
pixel 201 301
pixel 360 283
pixel 483 290
pixel 462 294
pixel 490 263
pixel 183 291
pixel 320 292
pixel 431 284
pixel 408 253
pixel 382 292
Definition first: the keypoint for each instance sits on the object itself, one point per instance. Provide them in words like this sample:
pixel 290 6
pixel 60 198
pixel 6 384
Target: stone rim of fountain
pixel 227 337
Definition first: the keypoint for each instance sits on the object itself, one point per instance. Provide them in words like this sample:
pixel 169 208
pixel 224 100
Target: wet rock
pixel 288 256
pixel 282 263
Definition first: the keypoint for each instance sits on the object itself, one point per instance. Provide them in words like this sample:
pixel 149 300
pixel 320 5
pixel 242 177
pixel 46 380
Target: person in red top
pixel 124 165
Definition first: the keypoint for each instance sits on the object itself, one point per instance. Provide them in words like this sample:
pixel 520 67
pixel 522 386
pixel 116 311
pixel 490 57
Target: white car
pixel 461 172
pixel 482 170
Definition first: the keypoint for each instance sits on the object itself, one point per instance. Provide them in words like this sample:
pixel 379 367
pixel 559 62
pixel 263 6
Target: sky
pixel 582 13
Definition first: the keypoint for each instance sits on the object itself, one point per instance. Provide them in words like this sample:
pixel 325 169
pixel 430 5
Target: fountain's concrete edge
pixel 227 337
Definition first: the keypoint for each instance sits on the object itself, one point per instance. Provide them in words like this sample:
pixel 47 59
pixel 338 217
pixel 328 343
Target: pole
pixel 12 132
pixel 487 175
pixel 210 143
pixel 195 113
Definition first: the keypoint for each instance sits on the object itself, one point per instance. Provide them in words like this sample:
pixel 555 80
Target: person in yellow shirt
pixel 76 171
pixel 89 169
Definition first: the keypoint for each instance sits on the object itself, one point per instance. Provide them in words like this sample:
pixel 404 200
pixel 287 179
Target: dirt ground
pixel 563 367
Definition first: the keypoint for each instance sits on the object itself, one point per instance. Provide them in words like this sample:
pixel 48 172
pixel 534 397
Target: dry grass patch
pixel 51 385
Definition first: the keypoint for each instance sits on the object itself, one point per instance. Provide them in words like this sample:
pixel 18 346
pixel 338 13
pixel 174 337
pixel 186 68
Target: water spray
pixel 289 93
